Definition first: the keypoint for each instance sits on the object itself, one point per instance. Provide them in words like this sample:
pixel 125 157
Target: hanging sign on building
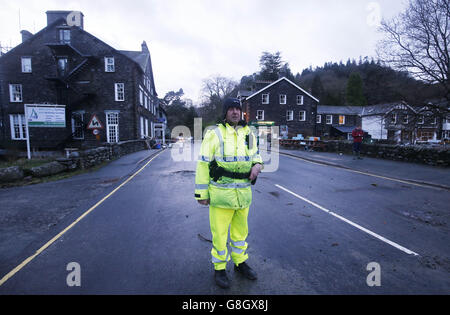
pixel 43 115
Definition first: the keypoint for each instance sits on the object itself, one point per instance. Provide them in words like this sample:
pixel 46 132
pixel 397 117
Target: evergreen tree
pixel 355 96
pixel 271 65
pixel 317 87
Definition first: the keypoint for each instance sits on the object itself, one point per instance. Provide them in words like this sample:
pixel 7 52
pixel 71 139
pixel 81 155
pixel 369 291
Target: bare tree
pixel 217 86
pixel 214 90
pixel 417 41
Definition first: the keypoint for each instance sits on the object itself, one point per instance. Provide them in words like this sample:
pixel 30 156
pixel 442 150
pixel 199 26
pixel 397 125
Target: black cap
pixel 231 103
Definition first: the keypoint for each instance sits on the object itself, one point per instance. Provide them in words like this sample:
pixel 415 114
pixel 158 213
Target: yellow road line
pixel 46 245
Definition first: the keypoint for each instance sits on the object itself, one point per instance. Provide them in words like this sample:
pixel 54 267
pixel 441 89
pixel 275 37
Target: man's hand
pixel 256 169
pixel 204 202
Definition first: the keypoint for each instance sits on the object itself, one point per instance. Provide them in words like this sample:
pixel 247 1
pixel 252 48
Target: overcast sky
pixel 190 40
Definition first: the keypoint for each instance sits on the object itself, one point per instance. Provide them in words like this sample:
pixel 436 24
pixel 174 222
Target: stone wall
pixel 437 156
pixel 76 160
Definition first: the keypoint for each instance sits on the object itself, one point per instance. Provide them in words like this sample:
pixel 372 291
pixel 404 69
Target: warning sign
pixel 95 123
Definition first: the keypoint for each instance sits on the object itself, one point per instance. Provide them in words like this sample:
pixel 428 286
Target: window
pixel 299 99
pixel 289 115
pixel 446 134
pixel 265 98
pixel 302 115
pixel 405 119
pixel 421 119
pixel 393 118
pixel 64 36
pixel 341 120
pixel 146 127
pixel 329 119
pixel 141 96
pixel 62 66
pixel 15 93
pixel 78 125
pixel 146 101
pixel 142 128
pixel 283 99
pixel 18 127
pixel 119 89
pixel 434 121
pixel 26 65
pixel 259 115
pixel 109 64
pixel 112 126
pixel 318 119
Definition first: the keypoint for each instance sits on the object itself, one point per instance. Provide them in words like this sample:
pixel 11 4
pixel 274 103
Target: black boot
pixel 221 279
pixel 246 271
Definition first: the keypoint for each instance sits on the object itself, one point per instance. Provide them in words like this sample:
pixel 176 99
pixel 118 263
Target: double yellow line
pixel 54 239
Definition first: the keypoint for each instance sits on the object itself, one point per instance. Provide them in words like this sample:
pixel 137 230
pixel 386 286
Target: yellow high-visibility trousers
pixel 220 221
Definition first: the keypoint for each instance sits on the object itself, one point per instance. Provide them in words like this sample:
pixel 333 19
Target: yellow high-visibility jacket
pixel 235 150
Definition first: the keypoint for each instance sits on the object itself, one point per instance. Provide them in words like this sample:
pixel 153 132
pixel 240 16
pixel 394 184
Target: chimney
pixel 25 35
pixel 144 47
pixel 70 18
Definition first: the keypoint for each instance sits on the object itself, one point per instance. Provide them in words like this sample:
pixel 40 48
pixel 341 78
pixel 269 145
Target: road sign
pixel 95 123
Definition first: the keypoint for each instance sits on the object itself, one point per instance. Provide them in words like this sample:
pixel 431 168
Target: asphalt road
pixel 314 229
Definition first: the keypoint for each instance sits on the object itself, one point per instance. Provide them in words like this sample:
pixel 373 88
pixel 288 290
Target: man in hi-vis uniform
pixel 228 165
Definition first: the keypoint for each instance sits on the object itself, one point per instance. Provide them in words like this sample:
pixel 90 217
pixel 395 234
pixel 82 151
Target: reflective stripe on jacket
pixel 235 150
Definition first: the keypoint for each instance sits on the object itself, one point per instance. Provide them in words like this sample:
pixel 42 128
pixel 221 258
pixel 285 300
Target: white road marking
pixel 403 181
pixel 404 249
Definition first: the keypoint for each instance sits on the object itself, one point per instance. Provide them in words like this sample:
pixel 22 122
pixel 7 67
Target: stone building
pixel 281 103
pixel 111 90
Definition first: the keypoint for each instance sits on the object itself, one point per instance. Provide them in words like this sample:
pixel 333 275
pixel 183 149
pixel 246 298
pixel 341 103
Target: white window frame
pixel 146 127
pixel 329 119
pixel 22 135
pixel 343 119
pixel 283 99
pixel 62 65
pixel 110 66
pixel 318 119
pixel 445 134
pixel 300 114
pixel 74 126
pixel 63 39
pixel 119 92
pixel 289 115
pixel 142 127
pixel 300 100
pixel 406 119
pixel 393 118
pixel 265 98
pixel 260 114
pixel 112 126
pixel 26 65
pixel 15 96
pixel 141 96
